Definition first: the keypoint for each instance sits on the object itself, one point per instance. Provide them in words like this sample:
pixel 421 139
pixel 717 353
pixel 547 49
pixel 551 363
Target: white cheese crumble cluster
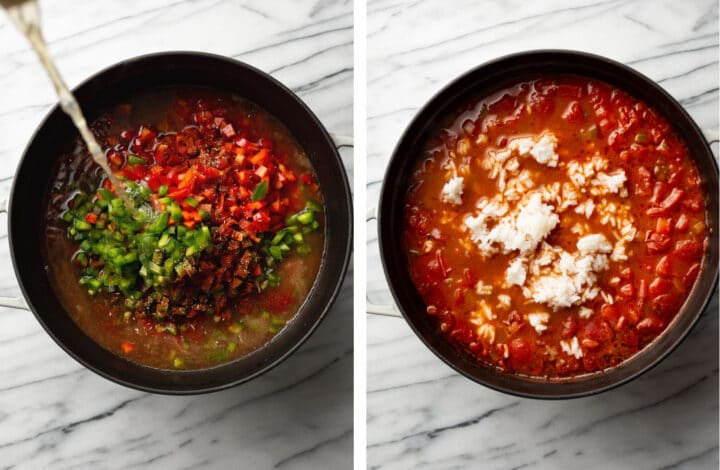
pixel 519 219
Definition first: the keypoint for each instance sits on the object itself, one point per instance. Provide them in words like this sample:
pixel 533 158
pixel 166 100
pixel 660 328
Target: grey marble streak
pixel 421 414
pixel 56 414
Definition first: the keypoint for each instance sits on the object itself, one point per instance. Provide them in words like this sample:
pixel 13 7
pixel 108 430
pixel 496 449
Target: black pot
pixel 484 80
pixel 28 203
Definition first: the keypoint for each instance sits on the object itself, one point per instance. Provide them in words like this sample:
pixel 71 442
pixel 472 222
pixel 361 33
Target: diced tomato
pixel 134 172
pixel 521 351
pixel 668 203
pixel 664 267
pixel 116 158
pixel 688 249
pixel 573 112
pixel 690 275
pixel 261 171
pixel 642 290
pixel 228 131
pixel 627 291
pixel 261 221
pixel 657 242
pixel 664 306
pixel 266 143
pixel 611 313
pixel 469 279
pixel 459 297
pixel 598 330
pixel 693 203
pixel 650 325
pixel 682 223
pixel 180 195
pixel 632 314
pixel 146 135
pixel 127 135
pixel 629 337
pixel 539 104
pixel 569 327
pixel 644 179
pixel 91 218
pixel 127 347
pixel 659 192
pixel 662 225
pixel 659 286
pixel 188 179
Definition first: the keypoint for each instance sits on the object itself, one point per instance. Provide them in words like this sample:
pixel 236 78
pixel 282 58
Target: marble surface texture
pixel 53 412
pixel 423 415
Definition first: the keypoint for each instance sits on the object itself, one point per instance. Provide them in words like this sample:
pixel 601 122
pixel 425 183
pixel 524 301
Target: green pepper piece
pixel 306 218
pixel 82 225
pixel 159 224
pixel 313 205
pixel 135 160
pixel 261 191
pixel 175 212
pixel 163 190
pixel 275 252
pixel 278 237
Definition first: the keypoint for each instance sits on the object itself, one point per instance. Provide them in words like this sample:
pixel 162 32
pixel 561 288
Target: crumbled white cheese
pixel 613 182
pixel 585 313
pixel 453 190
pixel 516 272
pixel 538 321
pixel 572 348
pixel 594 243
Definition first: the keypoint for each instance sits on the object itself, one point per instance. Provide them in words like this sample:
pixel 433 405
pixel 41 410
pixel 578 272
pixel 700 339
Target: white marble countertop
pixel 55 414
pixel 421 414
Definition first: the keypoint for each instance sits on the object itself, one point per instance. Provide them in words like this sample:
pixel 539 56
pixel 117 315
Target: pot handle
pixel 11 302
pixel 371 307
pixel 711 135
pixel 342 140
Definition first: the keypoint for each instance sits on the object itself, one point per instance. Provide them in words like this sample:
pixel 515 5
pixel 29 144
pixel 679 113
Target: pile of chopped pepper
pixel 210 216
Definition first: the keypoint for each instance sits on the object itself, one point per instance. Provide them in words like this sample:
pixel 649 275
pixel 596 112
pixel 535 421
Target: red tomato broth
pixel 665 199
pixel 250 320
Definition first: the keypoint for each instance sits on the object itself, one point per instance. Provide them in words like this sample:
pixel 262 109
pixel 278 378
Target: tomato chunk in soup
pixel 556 227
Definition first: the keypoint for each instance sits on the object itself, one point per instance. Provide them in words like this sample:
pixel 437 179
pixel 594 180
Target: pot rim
pixel 344 259
pixel 437 102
